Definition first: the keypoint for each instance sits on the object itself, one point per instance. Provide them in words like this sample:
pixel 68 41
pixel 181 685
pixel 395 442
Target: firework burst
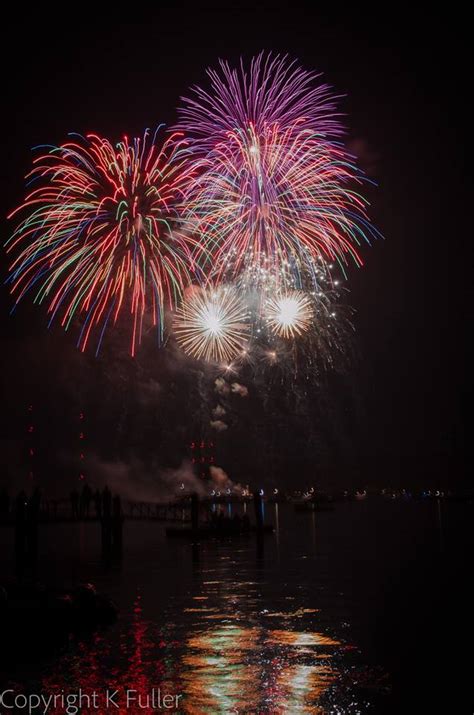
pixel 276 92
pixel 212 325
pixel 289 315
pixel 272 185
pixel 304 332
pixel 322 344
pixel 97 239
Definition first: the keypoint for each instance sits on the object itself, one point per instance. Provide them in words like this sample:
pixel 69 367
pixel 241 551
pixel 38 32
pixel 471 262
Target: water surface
pixel 352 611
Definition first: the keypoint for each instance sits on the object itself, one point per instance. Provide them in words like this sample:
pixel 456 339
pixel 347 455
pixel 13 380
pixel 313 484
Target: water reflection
pixel 242 627
pixel 226 654
pixel 235 669
pixel 232 627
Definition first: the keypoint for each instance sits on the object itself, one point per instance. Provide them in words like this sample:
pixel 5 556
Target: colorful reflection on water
pixel 230 627
pixel 232 661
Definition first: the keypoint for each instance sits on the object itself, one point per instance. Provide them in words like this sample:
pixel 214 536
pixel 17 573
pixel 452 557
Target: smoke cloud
pixel 239 389
pixel 218 411
pixel 220 478
pixel 218 425
pixel 221 386
pixel 135 482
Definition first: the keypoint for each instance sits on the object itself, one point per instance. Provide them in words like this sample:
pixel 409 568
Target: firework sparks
pixel 256 204
pixel 289 315
pixel 275 92
pixel 212 325
pixel 271 186
pixel 298 334
pixel 97 240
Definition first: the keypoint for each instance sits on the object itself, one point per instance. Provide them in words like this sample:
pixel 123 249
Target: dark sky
pixel 404 77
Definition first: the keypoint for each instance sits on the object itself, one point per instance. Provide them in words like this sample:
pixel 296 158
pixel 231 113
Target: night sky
pixel 401 415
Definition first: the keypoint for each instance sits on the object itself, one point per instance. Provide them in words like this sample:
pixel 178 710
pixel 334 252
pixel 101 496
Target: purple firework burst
pixel 276 91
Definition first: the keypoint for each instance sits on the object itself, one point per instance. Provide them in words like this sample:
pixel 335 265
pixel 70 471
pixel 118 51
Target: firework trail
pixel 275 92
pixel 97 239
pixel 256 203
pixel 271 187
